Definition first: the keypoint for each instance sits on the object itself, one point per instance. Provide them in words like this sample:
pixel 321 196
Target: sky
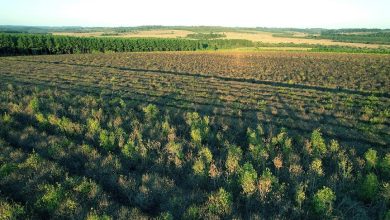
pixel 237 13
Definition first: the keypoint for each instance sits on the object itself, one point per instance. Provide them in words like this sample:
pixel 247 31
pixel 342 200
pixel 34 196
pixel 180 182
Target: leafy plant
pixel 323 201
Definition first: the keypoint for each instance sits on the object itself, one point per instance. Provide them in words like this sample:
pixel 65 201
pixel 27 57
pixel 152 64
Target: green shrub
pixel 334 146
pixel 318 143
pixel 95 216
pixel 220 202
pixel 371 158
pixel 7 169
pixel 316 167
pixel 247 179
pixel 233 158
pixel 5 118
pixel 51 198
pixel 300 195
pixel 11 211
pixel 107 140
pixel 151 111
pixel 323 201
pixel 196 135
pixel 34 104
pixel 193 212
pixel 385 165
pixel 266 180
pixel 129 149
pixel 93 126
pixel 369 187
pixel 198 167
pixel 199 127
pixel 203 161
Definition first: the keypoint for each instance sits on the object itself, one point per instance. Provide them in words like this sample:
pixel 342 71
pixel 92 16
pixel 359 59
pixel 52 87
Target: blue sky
pixel 247 13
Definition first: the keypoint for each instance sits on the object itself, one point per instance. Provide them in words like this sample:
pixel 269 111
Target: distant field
pixel 256 36
pixel 135 34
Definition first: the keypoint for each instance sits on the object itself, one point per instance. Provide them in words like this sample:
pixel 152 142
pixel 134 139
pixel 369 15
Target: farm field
pixel 194 135
pixel 255 36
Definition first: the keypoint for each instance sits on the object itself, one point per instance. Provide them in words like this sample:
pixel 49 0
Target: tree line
pixel 37 44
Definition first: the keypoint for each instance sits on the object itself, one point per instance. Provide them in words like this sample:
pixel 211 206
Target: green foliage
pixel 205 36
pixel 220 202
pixel 262 104
pixel 193 212
pixel 175 153
pixel 247 178
pixel 7 169
pixel 151 111
pixel 107 140
pixel 52 197
pixel 385 165
pixel 300 195
pixel 93 126
pixel 199 127
pixel 87 188
pixel 11 210
pixel 198 167
pixel 203 161
pixel 28 44
pixel 34 104
pixel 334 146
pixel 196 135
pixel 318 143
pixel 257 150
pixel 95 216
pixel 316 167
pixel 323 201
pixel 5 118
pixel 369 187
pixel 129 149
pixel 33 161
pixel 371 158
pixel 165 216
pixel 233 159
pixel 266 180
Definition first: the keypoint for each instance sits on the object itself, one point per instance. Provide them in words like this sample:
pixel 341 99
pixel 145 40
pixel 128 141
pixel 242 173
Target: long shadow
pixel 162 102
pixel 214 76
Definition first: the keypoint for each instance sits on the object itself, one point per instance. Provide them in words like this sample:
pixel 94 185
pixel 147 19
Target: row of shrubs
pixel 70 155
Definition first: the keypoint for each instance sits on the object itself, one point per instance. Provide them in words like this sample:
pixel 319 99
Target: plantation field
pixel 194 135
pixel 347 96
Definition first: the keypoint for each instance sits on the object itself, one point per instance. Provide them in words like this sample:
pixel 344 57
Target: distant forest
pixel 37 44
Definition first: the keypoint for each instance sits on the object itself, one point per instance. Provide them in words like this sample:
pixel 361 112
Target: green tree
pixel 220 202
pixel 323 201
pixel 233 159
pixel 369 187
pixel 34 104
pixel 318 143
pixel 151 111
pixel 247 178
pixel 107 140
pixel 371 158
pixel 385 166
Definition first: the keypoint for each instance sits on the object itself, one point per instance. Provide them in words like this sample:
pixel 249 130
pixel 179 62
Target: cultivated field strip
pixel 347 71
pixel 284 106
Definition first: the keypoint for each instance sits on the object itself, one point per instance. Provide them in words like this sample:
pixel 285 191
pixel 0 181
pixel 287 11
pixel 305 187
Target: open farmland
pixel 252 35
pixel 196 134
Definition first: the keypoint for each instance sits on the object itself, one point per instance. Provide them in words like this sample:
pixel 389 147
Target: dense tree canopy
pixel 26 44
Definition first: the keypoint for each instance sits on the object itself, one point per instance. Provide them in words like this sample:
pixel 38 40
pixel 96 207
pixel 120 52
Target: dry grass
pixel 267 37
